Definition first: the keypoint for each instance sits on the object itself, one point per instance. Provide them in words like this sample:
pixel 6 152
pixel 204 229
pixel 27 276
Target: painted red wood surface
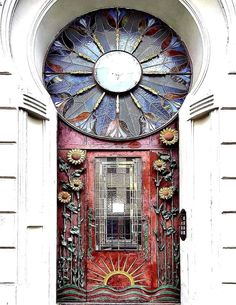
pixel 148 275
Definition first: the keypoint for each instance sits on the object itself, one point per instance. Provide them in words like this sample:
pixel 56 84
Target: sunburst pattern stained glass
pixel 117 74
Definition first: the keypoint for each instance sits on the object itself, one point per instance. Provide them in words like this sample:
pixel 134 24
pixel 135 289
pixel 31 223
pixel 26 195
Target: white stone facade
pixel 28 147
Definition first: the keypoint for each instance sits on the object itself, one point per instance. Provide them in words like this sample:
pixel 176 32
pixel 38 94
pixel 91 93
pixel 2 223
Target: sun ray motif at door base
pixel 109 270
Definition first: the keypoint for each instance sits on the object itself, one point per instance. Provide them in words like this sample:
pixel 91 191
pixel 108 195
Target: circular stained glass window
pixel 117 74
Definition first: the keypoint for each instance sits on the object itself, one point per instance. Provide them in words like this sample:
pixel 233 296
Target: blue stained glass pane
pixel 105 114
pixel 83 103
pixel 130 114
pixel 105 32
pixel 81 44
pixel 152 104
pixel 69 84
pixel 165 84
pixel 70 63
pixel 155 73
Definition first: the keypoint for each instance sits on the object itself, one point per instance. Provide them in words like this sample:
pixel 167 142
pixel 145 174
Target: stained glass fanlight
pixel 117 74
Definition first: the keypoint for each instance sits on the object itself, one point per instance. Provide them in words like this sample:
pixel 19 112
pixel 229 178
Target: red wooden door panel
pixel 121 269
pixel 118 219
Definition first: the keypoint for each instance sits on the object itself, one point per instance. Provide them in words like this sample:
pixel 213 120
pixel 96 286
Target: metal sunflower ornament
pixel 169 136
pixel 76 184
pixel 76 156
pixel 166 193
pixel 159 165
pixel 64 197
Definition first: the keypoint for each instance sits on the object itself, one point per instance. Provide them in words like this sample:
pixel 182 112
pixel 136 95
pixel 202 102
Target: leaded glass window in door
pixel 118 203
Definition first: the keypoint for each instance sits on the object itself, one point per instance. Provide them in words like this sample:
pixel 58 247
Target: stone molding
pixel 34 106
pixel 202 107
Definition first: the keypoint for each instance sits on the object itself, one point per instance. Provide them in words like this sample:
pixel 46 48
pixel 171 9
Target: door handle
pixel 183 224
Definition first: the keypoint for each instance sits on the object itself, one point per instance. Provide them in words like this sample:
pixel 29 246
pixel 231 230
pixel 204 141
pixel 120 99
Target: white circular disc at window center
pixel 117 71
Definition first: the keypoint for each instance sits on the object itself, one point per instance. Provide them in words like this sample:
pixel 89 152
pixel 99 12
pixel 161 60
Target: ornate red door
pixel 118 220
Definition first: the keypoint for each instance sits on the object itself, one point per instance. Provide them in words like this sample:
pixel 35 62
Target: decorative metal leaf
pixel 168 176
pixel 67 216
pixel 161 247
pixel 78 172
pixel 75 230
pixel 158 209
pixel 166 215
pixel 63 243
pixel 66 186
pixel 71 247
pixel 171 230
pixel 173 164
pixel 71 206
pixel 165 157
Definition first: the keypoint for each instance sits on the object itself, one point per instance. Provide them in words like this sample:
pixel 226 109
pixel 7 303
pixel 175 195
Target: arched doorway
pixel 39 28
pixel 118 78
